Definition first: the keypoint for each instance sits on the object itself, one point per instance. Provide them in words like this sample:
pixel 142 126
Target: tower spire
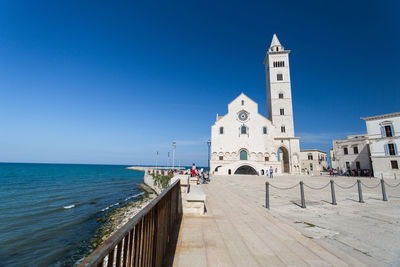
pixel 275 44
pixel 275 41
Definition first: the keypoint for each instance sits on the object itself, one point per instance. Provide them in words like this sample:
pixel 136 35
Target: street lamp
pixel 173 154
pixel 209 147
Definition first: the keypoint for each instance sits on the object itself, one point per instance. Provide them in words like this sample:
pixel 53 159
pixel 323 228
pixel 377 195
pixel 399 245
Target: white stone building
pixel 384 140
pixel 313 161
pixel 245 142
pixel 351 154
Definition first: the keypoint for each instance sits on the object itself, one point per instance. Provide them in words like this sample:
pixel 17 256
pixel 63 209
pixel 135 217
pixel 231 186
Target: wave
pixel 126 199
pixel 141 193
pixel 106 208
pixel 69 206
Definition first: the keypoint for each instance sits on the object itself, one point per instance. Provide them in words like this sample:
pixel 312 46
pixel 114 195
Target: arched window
pixel 221 130
pixel 243 155
pixel 243 129
pixel 280 95
pixel 310 156
pixel 264 130
pixel 242 102
pixel 229 172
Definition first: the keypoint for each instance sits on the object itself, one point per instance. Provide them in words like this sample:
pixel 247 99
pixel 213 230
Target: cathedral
pixel 245 142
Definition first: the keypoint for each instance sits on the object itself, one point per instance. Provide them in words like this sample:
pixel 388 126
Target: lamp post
pixel 173 154
pixel 156 161
pixel 209 147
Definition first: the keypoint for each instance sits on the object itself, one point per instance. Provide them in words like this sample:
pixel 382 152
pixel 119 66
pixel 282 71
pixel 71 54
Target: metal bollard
pixel 333 193
pixel 267 195
pixel 188 189
pixel 383 190
pixel 303 201
pixel 360 196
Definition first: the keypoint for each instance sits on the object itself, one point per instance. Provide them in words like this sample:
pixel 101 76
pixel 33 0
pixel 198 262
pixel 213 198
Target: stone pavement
pixel 238 231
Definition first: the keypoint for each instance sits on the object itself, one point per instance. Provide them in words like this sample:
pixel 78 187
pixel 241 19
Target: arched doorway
pixel 216 169
pixel 283 157
pixel 243 155
pixel 245 169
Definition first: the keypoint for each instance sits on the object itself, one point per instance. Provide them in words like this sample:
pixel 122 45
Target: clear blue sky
pixel 116 81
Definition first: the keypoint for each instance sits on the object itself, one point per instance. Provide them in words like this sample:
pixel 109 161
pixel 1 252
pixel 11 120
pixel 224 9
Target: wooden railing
pixel 144 240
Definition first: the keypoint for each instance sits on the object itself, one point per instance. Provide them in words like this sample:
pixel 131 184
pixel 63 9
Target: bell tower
pixel 279 92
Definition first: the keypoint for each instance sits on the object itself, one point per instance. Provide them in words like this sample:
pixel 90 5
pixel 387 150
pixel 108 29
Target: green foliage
pixel 161 180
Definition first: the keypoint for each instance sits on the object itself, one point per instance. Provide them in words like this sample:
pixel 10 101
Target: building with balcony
pixel 384 140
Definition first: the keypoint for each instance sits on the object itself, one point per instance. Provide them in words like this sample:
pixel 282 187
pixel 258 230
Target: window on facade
pixel 229 172
pixel 345 151
pixel 242 102
pixel 264 130
pixel 388 131
pixel 347 165
pixel 282 111
pixel 266 158
pixel 221 157
pixel 310 157
pixel 355 149
pixel 243 155
pixel 243 130
pixel 221 130
pixel 358 166
pixel 282 129
pixel 281 96
pixel 395 164
pixel 391 148
pixel 279 77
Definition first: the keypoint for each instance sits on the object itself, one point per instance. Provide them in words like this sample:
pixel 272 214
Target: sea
pixel 49 213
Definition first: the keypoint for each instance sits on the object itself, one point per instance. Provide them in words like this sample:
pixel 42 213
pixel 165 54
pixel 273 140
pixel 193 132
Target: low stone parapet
pixel 195 202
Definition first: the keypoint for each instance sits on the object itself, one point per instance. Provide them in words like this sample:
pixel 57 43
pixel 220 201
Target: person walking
pixel 202 175
pixel 271 173
pixel 193 173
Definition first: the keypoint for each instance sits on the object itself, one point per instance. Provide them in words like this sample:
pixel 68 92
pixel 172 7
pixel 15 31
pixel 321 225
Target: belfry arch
pixel 283 157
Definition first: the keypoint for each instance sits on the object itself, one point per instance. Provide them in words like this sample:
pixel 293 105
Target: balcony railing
pixel 144 240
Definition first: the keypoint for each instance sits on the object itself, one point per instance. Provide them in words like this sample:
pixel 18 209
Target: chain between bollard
pixel 370 187
pixel 317 188
pixel 345 187
pixel 283 188
pixel 392 185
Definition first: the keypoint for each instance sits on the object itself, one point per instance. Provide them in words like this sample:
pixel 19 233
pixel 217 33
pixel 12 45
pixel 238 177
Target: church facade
pixel 245 142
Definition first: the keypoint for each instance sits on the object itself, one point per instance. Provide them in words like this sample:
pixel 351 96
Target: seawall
pixel 149 181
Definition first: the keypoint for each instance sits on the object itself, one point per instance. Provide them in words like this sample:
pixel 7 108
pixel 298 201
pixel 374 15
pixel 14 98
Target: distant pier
pixel 145 168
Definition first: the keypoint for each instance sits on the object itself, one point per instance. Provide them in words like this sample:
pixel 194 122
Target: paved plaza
pixel 237 230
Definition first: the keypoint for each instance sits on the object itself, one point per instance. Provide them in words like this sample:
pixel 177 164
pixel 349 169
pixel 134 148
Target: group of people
pixel 199 174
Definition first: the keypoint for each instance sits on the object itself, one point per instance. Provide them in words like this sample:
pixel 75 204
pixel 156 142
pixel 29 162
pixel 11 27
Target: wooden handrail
pixel 144 239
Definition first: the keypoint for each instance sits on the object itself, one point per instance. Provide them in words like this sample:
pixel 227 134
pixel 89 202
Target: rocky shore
pixel 120 216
